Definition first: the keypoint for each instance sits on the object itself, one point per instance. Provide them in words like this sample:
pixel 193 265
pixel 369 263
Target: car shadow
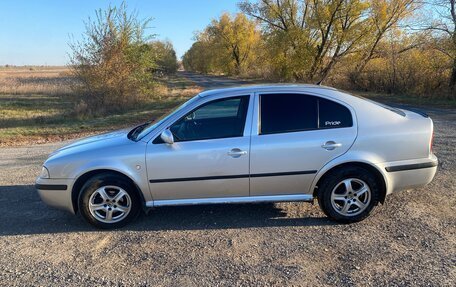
pixel 23 213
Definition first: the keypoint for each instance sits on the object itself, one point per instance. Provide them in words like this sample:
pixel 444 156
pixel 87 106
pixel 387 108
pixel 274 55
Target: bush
pixel 421 71
pixel 113 62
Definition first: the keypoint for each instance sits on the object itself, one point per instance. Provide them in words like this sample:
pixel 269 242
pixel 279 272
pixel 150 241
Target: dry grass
pixel 37 105
pixel 35 80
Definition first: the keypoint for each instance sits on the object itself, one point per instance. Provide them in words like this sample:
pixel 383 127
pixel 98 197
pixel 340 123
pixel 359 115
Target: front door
pixel 210 155
pixel 297 135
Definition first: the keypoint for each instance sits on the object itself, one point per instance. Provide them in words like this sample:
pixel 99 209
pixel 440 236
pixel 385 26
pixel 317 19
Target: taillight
pixel 431 142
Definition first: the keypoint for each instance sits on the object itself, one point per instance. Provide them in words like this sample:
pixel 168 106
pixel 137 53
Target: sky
pixel 37 32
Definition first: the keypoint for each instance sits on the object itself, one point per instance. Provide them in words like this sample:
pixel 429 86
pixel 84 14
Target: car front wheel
pixel 108 201
pixel 349 195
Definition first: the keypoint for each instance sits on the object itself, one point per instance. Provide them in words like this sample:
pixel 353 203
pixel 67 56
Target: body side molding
pixel 411 166
pixel 233 176
pixel 51 186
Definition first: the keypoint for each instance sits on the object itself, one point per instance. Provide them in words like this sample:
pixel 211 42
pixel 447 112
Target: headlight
pixel 44 172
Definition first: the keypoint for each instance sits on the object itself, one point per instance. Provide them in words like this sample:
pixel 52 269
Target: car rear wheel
pixel 348 195
pixel 108 201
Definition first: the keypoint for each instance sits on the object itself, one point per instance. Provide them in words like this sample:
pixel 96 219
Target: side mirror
pixel 167 136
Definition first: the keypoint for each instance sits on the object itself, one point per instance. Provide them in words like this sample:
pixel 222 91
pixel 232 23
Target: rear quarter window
pixel 333 115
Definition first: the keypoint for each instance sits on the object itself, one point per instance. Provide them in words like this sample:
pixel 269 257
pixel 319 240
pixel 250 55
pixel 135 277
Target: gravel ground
pixel 409 241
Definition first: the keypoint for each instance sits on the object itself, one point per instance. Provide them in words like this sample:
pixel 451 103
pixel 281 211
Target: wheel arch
pixel 381 179
pixel 89 174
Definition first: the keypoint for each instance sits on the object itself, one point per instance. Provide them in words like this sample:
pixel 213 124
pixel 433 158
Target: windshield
pixel 148 127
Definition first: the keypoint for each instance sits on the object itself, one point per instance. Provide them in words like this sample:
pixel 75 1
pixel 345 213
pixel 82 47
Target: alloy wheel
pixel 350 197
pixel 109 204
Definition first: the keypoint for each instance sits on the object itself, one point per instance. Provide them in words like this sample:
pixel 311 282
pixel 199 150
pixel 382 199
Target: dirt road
pixel 411 241
pixel 209 82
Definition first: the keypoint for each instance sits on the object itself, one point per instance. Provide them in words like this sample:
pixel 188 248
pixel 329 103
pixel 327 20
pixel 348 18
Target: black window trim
pixel 158 140
pixel 301 130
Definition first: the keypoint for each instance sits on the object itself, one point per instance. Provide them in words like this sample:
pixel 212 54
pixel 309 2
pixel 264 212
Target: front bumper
pixel 410 174
pixel 56 192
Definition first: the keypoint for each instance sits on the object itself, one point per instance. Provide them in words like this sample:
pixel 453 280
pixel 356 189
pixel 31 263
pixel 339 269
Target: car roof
pixel 264 88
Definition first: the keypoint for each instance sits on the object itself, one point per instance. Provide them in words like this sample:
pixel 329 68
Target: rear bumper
pixel 56 192
pixel 410 174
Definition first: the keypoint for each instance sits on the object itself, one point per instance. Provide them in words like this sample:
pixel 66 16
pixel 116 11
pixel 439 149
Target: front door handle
pixel 331 145
pixel 235 152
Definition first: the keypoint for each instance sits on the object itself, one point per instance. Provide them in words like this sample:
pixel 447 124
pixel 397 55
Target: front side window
pixel 217 119
pixel 282 113
pixel 147 128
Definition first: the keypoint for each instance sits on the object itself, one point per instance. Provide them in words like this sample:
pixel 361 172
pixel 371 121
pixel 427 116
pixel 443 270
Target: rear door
pixel 294 136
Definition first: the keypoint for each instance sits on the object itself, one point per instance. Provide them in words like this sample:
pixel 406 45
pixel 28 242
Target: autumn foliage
pixel 377 45
pixel 116 62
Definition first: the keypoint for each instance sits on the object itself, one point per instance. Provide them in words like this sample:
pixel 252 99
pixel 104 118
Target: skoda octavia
pixel 244 145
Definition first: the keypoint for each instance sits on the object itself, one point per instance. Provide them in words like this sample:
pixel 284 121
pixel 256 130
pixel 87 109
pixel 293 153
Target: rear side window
pixel 282 113
pixel 333 115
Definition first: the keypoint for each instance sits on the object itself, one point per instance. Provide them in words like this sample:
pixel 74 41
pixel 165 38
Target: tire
pixel 344 204
pixel 108 201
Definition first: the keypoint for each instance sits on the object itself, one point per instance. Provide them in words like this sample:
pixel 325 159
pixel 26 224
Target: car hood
pixel 98 152
pixel 98 140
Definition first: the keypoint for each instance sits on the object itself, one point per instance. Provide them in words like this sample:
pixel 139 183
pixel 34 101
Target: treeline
pixel 117 62
pixel 395 46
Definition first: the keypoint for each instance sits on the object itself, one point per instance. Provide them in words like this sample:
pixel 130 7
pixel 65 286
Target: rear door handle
pixel 235 152
pixel 331 145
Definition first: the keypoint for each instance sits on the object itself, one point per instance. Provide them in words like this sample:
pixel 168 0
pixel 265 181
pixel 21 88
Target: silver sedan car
pixel 251 144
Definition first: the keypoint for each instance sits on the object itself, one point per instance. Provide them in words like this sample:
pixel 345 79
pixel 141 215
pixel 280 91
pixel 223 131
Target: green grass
pixel 47 121
pixel 40 118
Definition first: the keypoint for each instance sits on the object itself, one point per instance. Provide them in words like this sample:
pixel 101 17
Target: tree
pixel 165 56
pixel 317 33
pixel 384 15
pixel 445 32
pixel 227 45
pixel 201 56
pixel 237 39
pixel 113 60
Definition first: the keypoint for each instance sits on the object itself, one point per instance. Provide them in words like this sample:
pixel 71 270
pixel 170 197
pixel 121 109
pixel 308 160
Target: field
pixel 37 105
